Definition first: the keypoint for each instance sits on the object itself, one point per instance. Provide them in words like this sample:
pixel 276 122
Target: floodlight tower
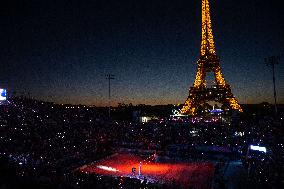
pixel 109 77
pixel 272 61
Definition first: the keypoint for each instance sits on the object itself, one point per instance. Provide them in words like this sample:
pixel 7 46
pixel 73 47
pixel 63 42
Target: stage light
pixel 107 168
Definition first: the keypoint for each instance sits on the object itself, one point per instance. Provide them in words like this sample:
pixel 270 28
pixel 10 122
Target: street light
pixel 271 61
pixel 109 77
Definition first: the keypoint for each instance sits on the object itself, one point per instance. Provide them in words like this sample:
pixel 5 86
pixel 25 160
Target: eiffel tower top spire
pixel 207 41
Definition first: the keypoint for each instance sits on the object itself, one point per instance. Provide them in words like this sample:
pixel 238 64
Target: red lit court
pixel 199 175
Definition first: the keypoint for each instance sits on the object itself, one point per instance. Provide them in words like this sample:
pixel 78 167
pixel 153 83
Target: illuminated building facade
pixel 208 62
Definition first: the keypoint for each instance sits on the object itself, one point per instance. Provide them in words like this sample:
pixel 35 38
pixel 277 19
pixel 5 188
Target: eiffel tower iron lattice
pixel 208 62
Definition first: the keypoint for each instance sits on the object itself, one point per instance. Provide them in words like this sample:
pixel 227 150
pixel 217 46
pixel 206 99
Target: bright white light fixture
pixel 258 148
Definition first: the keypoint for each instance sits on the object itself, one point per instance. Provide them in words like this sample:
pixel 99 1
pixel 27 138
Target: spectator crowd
pixel 41 144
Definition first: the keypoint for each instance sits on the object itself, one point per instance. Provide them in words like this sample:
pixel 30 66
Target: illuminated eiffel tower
pixel 208 62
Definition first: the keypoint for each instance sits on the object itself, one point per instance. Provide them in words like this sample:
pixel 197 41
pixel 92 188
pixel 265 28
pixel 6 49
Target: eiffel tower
pixel 208 62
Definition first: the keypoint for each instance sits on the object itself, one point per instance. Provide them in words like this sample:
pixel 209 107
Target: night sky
pixel 60 50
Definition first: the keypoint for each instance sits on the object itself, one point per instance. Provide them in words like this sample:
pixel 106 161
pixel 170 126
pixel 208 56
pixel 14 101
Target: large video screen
pixel 3 95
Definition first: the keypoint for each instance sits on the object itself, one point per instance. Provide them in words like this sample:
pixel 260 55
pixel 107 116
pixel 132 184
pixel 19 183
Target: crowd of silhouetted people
pixel 43 143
